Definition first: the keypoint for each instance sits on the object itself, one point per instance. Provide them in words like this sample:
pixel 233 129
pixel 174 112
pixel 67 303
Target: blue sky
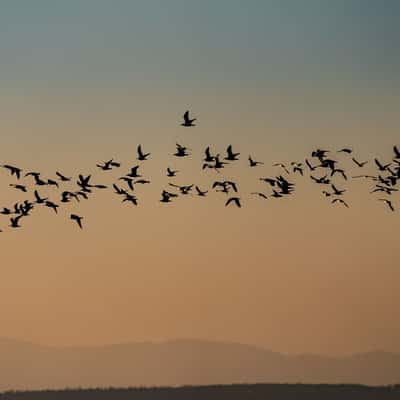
pixel 217 42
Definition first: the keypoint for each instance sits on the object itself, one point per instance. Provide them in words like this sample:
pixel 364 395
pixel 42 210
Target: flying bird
pixel 13 170
pixel 388 202
pixel 358 163
pixel 187 121
pixel 231 156
pixel 340 201
pixel 77 219
pixel 62 177
pixel 171 173
pixel 254 163
pixel 235 200
pixel 142 156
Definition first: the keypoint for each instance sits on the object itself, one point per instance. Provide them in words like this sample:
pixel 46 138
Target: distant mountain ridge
pixel 24 365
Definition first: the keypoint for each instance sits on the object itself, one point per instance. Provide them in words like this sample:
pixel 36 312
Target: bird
pixel 260 194
pixel 188 122
pixel 358 163
pixel 319 153
pixel 276 194
pixel 128 180
pixel 337 192
pixel 62 177
pixel 52 182
pixel 311 167
pixel 340 201
pixel 66 196
pixel 13 170
pixel 254 163
pixel 118 190
pixel 181 151
pixel 200 192
pixel 166 196
pixel 231 156
pixel 322 180
pixel 107 165
pixel 297 167
pixel 134 172
pixel 396 152
pixel 36 176
pixel 185 189
pixel 340 171
pixel 51 205
pixel 131 198
pixel 282 166
pixel 77 219
pixel 141 181
pixel 208 157
pixel 19 187
pixel 345 150
pixel 39 200
pixel 235 200
pixel 218 164
pixel 14 221
pixel 271 181
pixel 388 202
pixel 380 166
pixel 171 173
pixel 225 185
pixel 387 190
pixel 142 156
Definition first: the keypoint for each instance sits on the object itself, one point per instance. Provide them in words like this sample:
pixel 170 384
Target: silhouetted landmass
pixel 27 366
pixel 220 392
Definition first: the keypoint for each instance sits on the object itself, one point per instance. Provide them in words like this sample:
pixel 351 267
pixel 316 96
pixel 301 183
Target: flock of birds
pixel 323 170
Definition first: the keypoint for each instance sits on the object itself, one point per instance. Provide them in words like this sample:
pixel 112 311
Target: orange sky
pixel 84 82
pixel 297 275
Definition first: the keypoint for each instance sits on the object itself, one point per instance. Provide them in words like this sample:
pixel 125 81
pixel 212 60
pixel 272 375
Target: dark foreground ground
pixel 220 392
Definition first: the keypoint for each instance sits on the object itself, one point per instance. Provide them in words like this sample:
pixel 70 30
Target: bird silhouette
pixel 358 163
pixel 380 166
pixel 171 173
pixel 389 203
pixel 62 177
pixel 208 157
pixel 231 156
pixel 187 121
pixel 167 196
pixel 260 194
pixel 340 201
pixel 13 170
pixel 142 156
pixel 128 180
pixel 337 192
pixel 77 219
pixel 107 165
pixel 134 172
pixel 52 205
pixel 39 200
pixel 396 152
pixel 14 221
pixel 235 200
pixel 311 167
pixel 254 163
pixel 200 192
pixel 181 151
pixel 282 166
pixel 19 187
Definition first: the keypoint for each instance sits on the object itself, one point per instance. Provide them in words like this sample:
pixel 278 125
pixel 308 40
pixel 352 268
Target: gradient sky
pixel 84 81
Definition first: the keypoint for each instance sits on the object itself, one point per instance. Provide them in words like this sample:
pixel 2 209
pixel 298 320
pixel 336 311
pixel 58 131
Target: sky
pixel 85 81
